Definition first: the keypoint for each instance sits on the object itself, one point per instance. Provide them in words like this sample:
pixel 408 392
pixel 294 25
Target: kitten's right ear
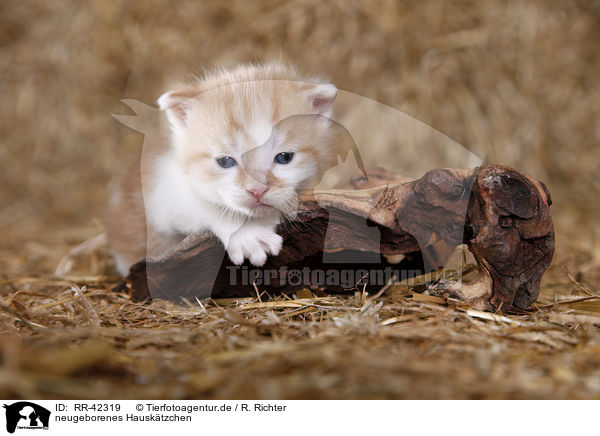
pixel 175 105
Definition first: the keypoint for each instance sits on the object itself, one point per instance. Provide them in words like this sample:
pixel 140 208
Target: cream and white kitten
pixel 242 142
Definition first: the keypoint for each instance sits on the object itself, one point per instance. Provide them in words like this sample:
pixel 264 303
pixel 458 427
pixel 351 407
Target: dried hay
pixel 75 338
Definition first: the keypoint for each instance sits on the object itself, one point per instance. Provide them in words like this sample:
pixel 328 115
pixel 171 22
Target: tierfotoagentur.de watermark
pixel 345 278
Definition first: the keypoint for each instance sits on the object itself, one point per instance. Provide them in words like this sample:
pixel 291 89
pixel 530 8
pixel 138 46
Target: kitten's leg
pixel 253 240
pixel 121 264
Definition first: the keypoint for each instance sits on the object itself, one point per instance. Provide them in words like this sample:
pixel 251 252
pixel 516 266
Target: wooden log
pixel 502 215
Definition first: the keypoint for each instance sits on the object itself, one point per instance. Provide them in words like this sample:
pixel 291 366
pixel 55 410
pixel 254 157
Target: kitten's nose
pixel 258 192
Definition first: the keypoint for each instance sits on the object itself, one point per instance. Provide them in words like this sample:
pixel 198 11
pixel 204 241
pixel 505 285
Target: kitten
pixel 241 143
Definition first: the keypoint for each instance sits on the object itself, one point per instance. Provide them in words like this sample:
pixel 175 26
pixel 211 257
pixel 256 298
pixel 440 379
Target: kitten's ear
pixel 176 106
pixel 322 97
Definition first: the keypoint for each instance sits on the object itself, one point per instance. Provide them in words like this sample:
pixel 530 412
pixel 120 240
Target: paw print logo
pixel 294 277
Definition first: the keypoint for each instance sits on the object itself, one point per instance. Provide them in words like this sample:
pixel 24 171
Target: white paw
pixel 253 244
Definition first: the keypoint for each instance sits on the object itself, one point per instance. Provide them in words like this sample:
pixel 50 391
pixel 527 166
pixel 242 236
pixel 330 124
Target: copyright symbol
pixel 139 407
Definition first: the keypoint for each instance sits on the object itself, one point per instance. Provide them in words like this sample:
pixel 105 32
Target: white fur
pixel 121 264
pixel 254 240
pixel 260 130
pixel 174 207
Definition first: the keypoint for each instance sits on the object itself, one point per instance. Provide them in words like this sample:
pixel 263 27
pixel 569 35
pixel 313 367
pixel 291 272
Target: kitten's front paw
pixel 253 244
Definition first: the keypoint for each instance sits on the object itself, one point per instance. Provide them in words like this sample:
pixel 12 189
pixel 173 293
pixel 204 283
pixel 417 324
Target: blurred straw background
pixel 514 81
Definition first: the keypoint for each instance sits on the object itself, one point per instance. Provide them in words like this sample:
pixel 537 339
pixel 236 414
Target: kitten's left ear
pixel 322 97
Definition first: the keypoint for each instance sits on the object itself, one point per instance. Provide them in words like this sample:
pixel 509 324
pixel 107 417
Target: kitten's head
pixel 248 139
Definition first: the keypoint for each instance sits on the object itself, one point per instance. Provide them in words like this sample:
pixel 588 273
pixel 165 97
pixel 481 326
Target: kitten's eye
pixel 283 158
pixel 226 162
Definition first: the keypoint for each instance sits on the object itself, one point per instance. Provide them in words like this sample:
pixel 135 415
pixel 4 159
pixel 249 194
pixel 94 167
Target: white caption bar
pixel 150 417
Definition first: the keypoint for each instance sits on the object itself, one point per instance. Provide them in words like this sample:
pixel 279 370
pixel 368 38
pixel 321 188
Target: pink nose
pixel 258 192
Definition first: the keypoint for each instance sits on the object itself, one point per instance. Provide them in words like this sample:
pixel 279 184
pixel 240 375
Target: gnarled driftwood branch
pixel 501 214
